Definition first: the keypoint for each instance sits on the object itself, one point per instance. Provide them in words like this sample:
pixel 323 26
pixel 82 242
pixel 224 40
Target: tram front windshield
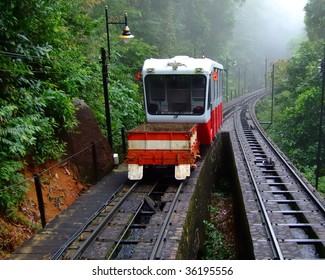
pixel 175 94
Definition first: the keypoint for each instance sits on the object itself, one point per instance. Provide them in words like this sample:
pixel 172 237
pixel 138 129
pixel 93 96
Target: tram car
pixel 183 103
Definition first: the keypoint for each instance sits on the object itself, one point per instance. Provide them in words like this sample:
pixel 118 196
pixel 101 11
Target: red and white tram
pixel 183 102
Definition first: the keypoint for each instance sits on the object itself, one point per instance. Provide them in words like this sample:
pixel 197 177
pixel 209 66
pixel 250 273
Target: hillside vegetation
pixel 298 86
pixel 50 55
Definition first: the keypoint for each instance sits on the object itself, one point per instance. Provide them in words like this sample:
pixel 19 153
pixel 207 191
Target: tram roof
pixel 180 63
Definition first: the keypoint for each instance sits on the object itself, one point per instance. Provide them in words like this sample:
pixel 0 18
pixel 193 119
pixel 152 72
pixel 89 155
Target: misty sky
pixel 288 16
pixel 290 11
pixel 272 24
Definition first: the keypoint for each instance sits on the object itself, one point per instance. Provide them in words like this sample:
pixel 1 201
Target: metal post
pixel 227 80
pixel 238 91
pixel 107 34
pixel 272 100
pixel 106 97
pixel 40 200
pixel 125 19
pixel 123 140
pixel 265 85
pixel 245 77
pixel 269 123
pixel 320 131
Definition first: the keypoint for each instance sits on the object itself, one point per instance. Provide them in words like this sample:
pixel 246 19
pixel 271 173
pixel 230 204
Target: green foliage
pixel 298 122
pixel 303 69
pixel 315 19
pixel 126 110
pixel 215 244
pixel 49 56
pixel 297 109
pixel 192 28
pixel 33 109
pixel 9 172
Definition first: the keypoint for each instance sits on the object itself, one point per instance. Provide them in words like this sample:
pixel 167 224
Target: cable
pixel 17 55
pixel 50 168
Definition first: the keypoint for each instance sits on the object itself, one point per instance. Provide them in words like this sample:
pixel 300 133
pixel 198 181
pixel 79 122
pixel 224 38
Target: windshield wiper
pixel 175 116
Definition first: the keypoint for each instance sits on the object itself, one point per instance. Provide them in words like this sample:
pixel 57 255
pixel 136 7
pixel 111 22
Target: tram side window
pixel 198 94
pixel 216 82
pixel 219 83
pixel 209 95
pixel 215 90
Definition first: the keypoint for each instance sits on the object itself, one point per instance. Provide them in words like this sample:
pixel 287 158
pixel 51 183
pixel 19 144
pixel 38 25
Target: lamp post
pixel 126 36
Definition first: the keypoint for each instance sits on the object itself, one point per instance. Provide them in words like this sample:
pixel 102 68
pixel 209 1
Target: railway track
pixel 142 220
pixel 288 218
pixel 231 107
pixel 137 215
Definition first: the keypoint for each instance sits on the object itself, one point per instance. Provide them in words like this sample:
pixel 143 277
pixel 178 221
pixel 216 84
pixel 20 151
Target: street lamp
pixel 126 36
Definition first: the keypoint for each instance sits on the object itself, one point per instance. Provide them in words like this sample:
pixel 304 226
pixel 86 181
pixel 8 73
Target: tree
pixel 297 110
pixel 32 107
pixel 315 19
pixel 50 58
pixel 186 27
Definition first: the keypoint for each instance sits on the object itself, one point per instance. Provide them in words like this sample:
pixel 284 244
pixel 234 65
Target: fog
pixel 269 29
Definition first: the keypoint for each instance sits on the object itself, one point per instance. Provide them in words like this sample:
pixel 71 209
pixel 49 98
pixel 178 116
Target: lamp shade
pixel 126 35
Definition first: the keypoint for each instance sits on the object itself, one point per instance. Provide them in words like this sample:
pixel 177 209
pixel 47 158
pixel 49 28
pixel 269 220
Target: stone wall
pixel 86 133
pixel 198 192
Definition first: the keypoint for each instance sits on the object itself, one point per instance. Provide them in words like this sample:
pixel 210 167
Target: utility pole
pixel 265 78
pixel 320 131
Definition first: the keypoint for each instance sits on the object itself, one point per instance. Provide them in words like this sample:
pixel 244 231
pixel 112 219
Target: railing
pixel 37 177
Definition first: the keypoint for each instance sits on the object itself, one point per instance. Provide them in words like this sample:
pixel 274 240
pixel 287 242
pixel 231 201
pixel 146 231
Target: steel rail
pixel 64 247
pixel 319 204
pixel 118 242
pixel 276 247
pixel 102 224
pixel 233 108
pixel 158 244
pixel 125 231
